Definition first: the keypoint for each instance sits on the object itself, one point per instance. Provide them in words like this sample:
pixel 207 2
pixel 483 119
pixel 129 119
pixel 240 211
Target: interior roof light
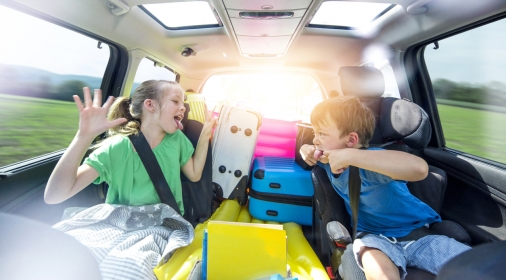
pixel 182 14
pixel 348 14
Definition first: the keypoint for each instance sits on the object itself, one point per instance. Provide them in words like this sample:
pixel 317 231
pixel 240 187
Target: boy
pixel 387 211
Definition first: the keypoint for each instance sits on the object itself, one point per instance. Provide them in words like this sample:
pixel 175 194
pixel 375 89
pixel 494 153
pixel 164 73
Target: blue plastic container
pixel 281 191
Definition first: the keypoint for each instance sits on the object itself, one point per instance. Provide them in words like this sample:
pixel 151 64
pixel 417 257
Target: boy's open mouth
pixel 178 119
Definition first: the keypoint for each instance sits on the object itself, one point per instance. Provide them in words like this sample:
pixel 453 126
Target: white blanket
pixel 128 241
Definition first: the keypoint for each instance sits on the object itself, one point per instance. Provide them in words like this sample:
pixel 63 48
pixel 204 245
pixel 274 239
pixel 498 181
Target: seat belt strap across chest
pixel 354 184
pixel 154 171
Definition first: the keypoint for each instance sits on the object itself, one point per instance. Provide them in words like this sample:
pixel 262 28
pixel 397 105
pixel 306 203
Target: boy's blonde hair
pixel 348 114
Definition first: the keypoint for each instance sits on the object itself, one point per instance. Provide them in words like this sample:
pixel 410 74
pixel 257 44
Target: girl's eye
pixel 175 101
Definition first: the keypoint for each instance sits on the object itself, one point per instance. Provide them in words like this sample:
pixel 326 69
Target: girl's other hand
pixel 209 124
pixel 93 116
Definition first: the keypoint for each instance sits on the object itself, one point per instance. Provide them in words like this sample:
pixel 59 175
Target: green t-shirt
pixel 118 164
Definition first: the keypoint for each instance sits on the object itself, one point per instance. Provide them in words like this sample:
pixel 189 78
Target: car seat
pixel 400 124
pixel 197 196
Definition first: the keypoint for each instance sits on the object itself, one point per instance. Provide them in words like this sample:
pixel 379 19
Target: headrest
pixel 184 121
pixel 406 121
pixel 362 81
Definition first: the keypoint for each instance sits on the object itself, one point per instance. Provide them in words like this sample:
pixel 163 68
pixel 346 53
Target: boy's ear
pixel 352 140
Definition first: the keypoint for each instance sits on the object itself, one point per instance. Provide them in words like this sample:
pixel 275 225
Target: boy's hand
pixel 93 116
pixel 307 153
pixel 336 159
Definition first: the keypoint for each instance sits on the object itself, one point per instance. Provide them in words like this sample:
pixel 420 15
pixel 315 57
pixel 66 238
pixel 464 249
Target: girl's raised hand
pixel 93 116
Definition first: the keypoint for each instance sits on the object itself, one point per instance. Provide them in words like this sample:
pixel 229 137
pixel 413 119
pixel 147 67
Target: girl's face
pixel 172 111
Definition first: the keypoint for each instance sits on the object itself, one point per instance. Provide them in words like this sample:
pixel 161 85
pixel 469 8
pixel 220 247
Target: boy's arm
pixel 395 164
pixel 193 168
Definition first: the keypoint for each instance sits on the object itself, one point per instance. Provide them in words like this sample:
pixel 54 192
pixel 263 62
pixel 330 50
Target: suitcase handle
pixel 275 186
pixel 272 213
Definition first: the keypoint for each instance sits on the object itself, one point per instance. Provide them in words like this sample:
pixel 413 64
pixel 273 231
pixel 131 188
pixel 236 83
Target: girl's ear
pixel 149 105
pixel 352 140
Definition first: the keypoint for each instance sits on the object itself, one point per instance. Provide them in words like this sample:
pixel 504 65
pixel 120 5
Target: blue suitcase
pixel 281 191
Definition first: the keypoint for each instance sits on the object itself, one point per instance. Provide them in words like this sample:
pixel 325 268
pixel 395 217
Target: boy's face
pixel 328 137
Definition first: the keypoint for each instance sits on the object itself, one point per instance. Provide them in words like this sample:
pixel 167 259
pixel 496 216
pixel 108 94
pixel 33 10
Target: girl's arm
pixel 193 168
pixel 68 178
pixel 395 164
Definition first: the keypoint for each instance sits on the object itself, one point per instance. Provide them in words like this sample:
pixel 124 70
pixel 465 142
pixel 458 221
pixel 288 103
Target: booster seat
pixel 400 124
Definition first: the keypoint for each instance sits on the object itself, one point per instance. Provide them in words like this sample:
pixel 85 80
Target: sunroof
pixel 182 15
pixel 348 15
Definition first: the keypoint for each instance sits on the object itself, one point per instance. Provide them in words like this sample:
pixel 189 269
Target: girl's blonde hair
pixel 348 114
pixel 131 108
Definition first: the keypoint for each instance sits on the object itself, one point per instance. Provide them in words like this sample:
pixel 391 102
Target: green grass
pixel 31 127
pixel 477 132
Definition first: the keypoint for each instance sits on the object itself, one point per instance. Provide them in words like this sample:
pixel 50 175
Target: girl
pixel 155 109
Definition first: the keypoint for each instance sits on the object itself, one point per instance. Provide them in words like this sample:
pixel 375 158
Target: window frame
pixel 186 27
pixel 344 27
pixel 112 82
pixel 420 85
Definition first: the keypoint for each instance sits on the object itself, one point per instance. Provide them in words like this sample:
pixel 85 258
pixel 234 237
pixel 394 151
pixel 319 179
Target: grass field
pixel 31 127
pixel 476 132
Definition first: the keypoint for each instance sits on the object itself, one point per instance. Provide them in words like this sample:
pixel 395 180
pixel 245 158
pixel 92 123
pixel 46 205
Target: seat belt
pixel 154 171
pixel 354 184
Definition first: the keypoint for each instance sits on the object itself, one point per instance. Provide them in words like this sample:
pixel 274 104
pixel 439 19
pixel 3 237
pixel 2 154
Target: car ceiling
pixel 319 52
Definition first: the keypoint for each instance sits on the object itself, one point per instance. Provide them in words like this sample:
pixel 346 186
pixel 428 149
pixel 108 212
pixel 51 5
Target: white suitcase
pixel 233 145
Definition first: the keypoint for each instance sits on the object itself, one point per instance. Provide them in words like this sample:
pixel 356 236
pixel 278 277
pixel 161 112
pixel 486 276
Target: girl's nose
pixel 315 140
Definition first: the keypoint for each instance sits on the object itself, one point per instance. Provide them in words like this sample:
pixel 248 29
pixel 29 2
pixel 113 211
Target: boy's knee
pixel 377 265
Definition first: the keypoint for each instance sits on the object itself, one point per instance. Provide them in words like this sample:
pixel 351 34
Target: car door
pixel 460 79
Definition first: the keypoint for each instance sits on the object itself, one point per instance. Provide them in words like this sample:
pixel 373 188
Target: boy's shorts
pixel 428 253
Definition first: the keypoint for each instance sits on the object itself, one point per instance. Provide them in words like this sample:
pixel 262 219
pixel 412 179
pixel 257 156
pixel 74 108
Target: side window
pixel 148 70
pixel 41 66
pixel 468 74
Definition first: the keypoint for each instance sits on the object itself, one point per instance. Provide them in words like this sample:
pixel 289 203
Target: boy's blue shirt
pixel 386 205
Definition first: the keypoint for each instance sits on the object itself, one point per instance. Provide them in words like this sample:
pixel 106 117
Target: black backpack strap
pixel 354 184
pixel 155 172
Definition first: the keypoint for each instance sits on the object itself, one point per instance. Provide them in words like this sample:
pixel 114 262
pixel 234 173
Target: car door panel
pixel 475 196
pixel 22 193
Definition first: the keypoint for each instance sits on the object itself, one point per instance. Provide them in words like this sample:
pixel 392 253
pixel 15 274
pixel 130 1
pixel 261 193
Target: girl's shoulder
pixel 115 142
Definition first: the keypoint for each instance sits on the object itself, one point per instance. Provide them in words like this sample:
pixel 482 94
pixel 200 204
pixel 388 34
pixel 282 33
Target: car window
pixel 147 70
pixel 283 96
pixel 468 74
pixel 41 66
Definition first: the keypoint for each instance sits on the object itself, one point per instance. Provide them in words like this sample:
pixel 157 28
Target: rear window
pixel 283 96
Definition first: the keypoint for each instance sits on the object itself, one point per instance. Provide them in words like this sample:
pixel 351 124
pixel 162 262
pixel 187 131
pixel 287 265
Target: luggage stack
pixel 281 191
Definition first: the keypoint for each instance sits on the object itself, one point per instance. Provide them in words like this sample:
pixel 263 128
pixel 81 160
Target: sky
pixel 477 56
